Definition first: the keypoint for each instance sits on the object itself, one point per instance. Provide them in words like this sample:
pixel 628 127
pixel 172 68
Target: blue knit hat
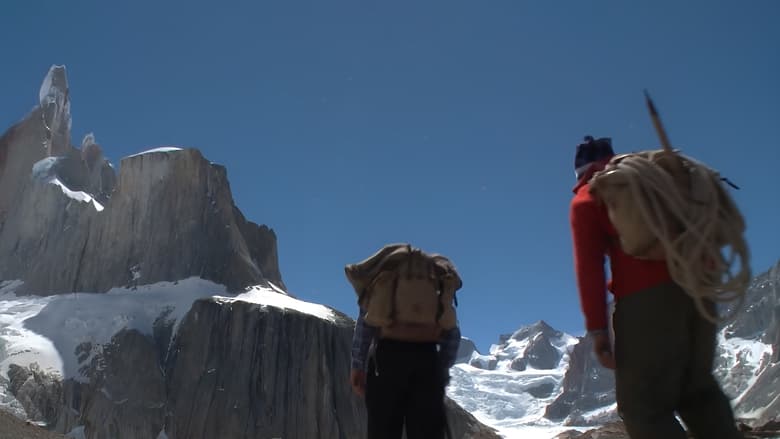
pixel 589 151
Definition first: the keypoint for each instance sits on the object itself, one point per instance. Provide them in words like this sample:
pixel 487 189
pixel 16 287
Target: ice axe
pixel 659 129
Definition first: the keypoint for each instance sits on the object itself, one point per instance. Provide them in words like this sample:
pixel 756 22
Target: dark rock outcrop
pixel 540 352
pixel 519 364
pixel 466 349
pixel 539 328
pixel 760 321
pixel 612 430
pixel 125 397
pixel 758 317
pixel 38 392
pixel 484 362
pixel 464 425
pixel 238 371
pixel 586 386
pixel 761 401
pixel 544 390
pixel 12 427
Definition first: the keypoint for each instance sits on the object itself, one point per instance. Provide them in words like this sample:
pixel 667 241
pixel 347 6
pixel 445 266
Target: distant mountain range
pixel 542 377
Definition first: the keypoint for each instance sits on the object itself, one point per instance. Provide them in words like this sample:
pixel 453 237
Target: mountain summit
pixel 64 212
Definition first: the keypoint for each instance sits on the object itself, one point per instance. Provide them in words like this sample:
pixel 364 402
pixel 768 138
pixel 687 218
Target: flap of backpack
pixel 361 274
pixel 389 257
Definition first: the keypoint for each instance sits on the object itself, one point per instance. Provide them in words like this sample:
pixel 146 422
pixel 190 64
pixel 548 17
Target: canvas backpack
pixel 670 207
pixel 406 292
pixel 613 187
pixel 652 195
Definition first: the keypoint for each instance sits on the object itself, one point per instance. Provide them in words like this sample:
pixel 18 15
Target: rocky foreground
pixel 12 427
pixel 616 430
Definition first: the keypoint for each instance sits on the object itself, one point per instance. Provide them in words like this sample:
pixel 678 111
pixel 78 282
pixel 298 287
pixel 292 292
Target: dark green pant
pixel 664 351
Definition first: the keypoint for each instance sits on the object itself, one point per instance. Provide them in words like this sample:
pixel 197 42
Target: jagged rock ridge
pixel 64 212
pixel 581 392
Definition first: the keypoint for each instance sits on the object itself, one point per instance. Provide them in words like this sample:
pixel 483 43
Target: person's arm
pixel 361 342
pixel 448 347
pixel 590 247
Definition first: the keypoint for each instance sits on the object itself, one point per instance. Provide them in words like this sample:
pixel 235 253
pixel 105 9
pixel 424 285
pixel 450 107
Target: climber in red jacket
pixel 663 348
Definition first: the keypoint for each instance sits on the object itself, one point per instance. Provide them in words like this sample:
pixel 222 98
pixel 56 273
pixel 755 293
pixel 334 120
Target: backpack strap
pixel 440 305
pixel 393 307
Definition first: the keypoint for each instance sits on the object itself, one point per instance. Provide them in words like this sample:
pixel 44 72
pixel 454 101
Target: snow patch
pixel 89 139
pixel 277 289
pixel 162 149
pixel 20 345
pixel 77 195
pixel 599 412
pixel 77 433
pixel 47 330
pixel 44 170
pixel 265 296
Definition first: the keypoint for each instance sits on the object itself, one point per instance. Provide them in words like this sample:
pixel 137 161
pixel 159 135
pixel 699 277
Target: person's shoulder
pixel 583 197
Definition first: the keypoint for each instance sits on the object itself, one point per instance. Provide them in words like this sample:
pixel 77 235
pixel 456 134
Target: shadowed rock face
pixel 465 426
pixel 38 392
pixel 540 352
pixel 760 320
pixel 238 371
pixel 586 386
pixel 465 349
pixel 234 369
pixel 161 204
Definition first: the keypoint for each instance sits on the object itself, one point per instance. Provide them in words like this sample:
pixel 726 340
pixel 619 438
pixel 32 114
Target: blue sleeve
pixel 361 341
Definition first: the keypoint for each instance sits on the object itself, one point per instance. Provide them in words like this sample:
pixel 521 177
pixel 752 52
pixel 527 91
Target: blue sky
pixel 345 125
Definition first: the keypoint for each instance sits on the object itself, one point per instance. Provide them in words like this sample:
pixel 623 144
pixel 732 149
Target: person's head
pixel 590 152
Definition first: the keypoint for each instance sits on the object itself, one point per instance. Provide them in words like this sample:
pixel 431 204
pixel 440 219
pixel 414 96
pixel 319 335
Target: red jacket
pixel 594 238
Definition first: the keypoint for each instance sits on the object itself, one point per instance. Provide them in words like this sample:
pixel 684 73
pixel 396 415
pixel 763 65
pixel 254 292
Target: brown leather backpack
pixel 406 292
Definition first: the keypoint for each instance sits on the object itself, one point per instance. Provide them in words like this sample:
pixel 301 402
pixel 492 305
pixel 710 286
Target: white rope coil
pixel 689 218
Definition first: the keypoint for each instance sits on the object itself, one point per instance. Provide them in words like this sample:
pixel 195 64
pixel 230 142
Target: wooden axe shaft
pixel 659 128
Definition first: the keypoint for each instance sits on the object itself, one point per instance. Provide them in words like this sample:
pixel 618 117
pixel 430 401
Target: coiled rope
pixel 689 216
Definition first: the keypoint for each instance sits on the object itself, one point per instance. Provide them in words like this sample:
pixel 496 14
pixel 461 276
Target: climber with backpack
pixel 406 339
pixel 667 225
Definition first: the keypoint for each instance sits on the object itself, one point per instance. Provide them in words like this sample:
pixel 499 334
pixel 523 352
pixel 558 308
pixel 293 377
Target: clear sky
pixel 345 125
